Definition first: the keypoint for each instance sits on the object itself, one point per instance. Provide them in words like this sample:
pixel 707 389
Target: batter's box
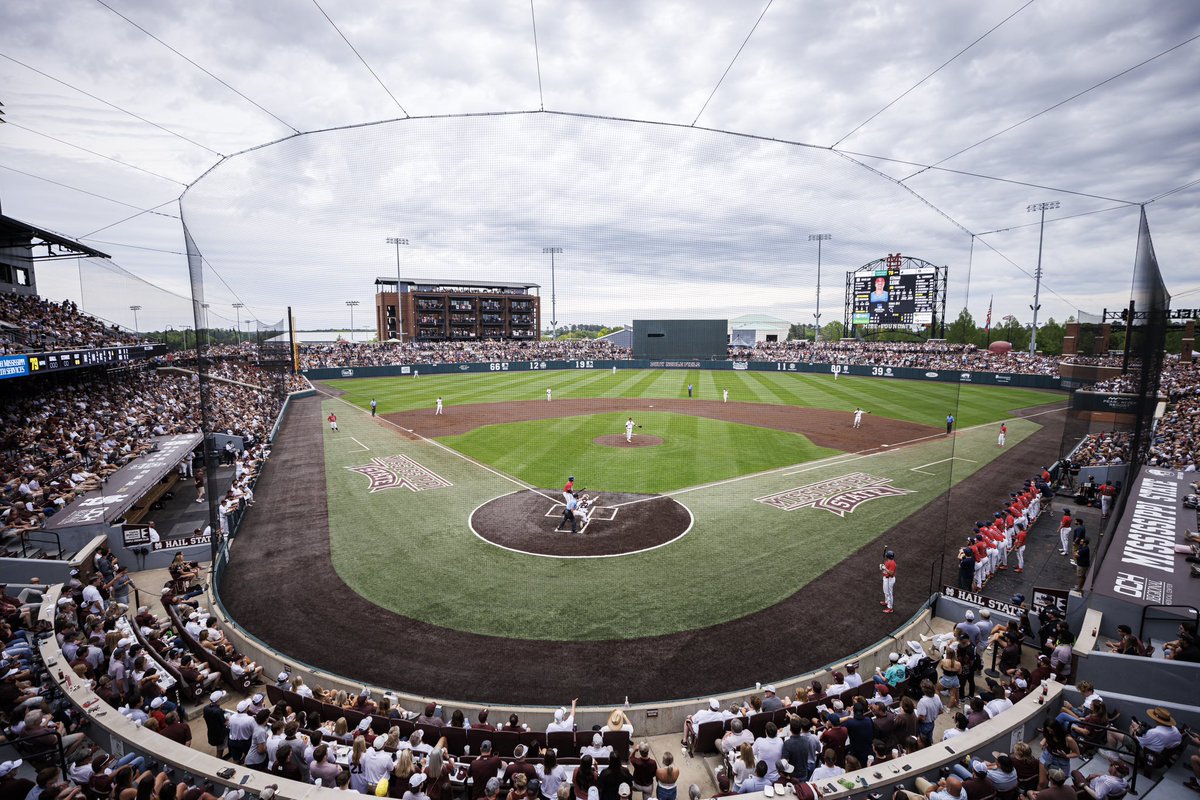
pixel 598 513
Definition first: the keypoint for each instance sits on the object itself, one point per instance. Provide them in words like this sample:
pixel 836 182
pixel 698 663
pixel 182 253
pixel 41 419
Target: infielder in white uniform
pixel 439 406
pixel 858 415
pixel 547 395
pixel 629 429
pixel 724 395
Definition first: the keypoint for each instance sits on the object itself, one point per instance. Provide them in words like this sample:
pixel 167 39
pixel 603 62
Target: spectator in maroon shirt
pixel 177 731
pixel 482 768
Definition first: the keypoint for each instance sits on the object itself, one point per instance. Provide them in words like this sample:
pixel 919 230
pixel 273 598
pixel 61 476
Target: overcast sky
pixel 679 208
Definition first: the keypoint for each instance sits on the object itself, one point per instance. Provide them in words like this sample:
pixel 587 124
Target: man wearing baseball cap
pixel 214 721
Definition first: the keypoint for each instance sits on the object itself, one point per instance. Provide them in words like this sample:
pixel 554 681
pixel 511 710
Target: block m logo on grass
pixel 838 496
pixel 399 472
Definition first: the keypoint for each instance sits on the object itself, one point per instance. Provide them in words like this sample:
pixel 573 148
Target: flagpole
pixel 987 326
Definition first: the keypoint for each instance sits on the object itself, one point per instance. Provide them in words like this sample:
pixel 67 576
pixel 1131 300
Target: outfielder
pixel 438 410
pixel 332 421
pixel 724 395
pixel 888 571
pixel 547 395
pixel 629 429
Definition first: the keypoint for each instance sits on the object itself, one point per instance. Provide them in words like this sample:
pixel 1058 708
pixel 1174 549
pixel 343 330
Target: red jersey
pixel 570 485
pixel 1019 539
pixel 980 549
pixel 889 568
pixel 1009 521
pixel 332 417
pixel 1065 522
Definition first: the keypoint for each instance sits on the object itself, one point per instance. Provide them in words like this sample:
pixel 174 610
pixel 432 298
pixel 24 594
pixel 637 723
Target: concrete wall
pixel 48 571
pixel 118 736
pixel 1172 681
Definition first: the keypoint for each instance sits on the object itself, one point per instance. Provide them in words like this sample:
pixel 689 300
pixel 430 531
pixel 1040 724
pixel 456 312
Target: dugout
pixel 681 339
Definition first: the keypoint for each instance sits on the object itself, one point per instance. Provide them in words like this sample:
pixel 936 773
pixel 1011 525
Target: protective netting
pixel 718 222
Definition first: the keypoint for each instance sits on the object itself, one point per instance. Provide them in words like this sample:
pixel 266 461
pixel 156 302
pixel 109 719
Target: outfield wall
pixel 863 370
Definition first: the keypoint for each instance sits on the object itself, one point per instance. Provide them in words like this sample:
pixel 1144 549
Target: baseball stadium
pixel 803 491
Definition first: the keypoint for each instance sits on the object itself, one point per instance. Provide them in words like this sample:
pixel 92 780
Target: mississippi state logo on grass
pixel 399 472
pixel 837 495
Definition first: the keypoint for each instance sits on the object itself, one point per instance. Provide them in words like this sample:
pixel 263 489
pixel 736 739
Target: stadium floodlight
pixel 818 238
pixel 553 297
pixel 136 329
pixel 352 304
pixel 1037 273
pixel 237 307
pixel 396 240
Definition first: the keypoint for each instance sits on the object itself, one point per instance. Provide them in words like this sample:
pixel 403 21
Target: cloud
pixel 650 217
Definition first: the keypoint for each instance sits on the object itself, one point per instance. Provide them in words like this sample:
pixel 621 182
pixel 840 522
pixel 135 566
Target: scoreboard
pixel 894 295
pixel 17 366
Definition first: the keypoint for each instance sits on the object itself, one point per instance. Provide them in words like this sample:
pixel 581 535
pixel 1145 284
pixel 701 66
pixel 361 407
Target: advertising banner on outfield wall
pixel 1141 565
pixel 863 370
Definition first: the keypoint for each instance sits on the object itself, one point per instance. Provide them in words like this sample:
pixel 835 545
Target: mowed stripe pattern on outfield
pixel 924 402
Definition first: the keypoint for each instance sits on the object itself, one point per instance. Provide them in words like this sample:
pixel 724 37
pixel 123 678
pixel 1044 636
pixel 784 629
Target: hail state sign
pixel 1142 565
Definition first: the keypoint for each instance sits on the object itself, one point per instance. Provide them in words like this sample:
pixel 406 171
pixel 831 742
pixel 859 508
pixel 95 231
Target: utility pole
pixel 396 240
pixel 818 238
pixel 237 307
pixel 553 298
pixel 352 304
pixel 1037 273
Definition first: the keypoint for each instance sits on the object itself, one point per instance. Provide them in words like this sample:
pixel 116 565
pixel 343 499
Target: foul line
pixel 831 460
pixel 943 461
pixel 453 452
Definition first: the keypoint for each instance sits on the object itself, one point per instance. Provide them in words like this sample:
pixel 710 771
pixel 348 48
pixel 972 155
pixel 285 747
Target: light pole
pixel 1037 273
pixel 207 328
pixel 353 303
pixel 237 307
pixel 818 238
pixel 553 296
pixel 396 240
pixel 136 329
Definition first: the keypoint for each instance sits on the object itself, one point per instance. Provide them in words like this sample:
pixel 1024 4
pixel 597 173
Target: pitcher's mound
pixel 618 440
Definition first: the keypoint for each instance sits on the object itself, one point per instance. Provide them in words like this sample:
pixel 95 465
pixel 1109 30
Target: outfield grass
pixel 925 402
pixel 695 450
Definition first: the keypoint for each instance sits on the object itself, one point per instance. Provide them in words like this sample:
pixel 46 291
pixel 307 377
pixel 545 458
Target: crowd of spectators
pixel 30 324
pixel 68 438
pixel 1108 448
pixel 921 355
pixel 346 354
pixel 917 355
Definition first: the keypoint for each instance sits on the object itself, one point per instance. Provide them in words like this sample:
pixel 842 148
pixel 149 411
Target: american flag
pixel 987 326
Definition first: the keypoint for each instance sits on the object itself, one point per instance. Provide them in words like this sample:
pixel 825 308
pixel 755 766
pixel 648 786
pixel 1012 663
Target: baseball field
pixel 725 512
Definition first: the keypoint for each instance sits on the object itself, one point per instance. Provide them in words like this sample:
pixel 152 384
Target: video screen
pixel 894 296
